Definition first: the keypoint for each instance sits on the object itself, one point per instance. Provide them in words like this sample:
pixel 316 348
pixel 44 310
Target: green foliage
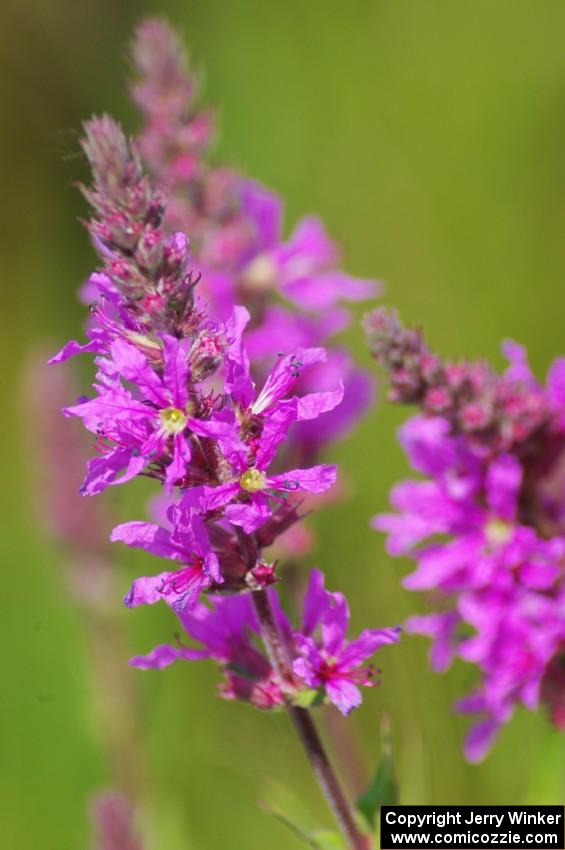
pixel 383 789
pixel 317 840
pixel 310 698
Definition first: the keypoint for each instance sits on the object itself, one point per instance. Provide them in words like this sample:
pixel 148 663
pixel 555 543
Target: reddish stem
pixel 279 657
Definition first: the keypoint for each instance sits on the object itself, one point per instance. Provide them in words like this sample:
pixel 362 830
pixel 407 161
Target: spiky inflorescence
pixel 486 526
pixel 292 288
pixel 175 400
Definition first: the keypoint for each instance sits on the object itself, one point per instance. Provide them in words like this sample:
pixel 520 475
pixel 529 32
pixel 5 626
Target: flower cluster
pixel 323 662
pixel 175 400
pixel 174 397
pixel 486 526
pixel 292 289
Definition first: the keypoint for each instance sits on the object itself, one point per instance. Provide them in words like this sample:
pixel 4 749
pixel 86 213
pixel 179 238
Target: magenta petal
pixel 442 628
pixel 343 694
pixel 238 378
pixel 316 602
pixel 308 248
pixel 224 428
pixel 249 517
pixel 480 739
pixel 102 471
pixel 366 645
pixel 205 498
pixel 539 576
pixel 314 404
pixel 216 497
pixel 181 458
pixel 473 703
pixel 438 564
pixel 321 290
pixel 312 660
pixel 136 464
pixel 334 625
pixel 264 208
pixel 427 444
pixel 72 348
pixel 284 375
pixel 115 405
pixel 556 383
pixel 519 368
pixel 175 371
pixel 179 589
pixel 147 590
pixel 133 366
pixel 504 478
pixel 164 655
pixel 317 479
pixel 275 431
pixel 301 667
pixel 148 536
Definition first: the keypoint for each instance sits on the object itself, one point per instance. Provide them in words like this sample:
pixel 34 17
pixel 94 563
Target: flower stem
pixel 280 659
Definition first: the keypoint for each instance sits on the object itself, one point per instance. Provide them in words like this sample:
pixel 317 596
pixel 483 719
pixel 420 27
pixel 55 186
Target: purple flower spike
pixel 218 380
pixel 486 525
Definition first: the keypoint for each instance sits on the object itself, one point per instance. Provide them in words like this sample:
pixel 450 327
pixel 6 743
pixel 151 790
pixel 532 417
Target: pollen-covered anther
pixel 253 480
pixel 173 420
pixel 498 532
pixel 261 273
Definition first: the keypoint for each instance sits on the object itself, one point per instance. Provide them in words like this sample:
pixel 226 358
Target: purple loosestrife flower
pixel 151 425
pixel 485 525
pixel 175 400
pixel 175 396
pixel 331 662
pixel 187 542
pixel 266 421
pixel 236 239
pixel 325 666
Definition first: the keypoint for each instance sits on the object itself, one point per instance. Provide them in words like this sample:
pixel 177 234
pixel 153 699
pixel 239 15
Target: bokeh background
pixel 430 137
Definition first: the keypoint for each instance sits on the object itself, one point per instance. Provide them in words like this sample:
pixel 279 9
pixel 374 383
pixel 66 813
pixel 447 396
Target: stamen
pixel 253 480
pixel 173 420
pixel 498 532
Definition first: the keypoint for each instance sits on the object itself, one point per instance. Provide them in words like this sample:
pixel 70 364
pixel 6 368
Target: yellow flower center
pixel 498 532
pixel 261 273
pixel 173 420
pixel 253 480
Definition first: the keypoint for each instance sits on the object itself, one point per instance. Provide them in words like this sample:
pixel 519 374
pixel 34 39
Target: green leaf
pixel 310 698
pixel 319 840
pixel 328 840
pixel 382 791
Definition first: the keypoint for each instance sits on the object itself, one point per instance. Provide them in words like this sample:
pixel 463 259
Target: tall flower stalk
pixel 230 430
pixel 486 522
pixel 293 289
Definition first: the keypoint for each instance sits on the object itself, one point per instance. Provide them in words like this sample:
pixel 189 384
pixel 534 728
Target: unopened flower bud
pixel 149 252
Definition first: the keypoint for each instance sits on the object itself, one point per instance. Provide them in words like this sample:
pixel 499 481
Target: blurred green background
pixel 430 137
